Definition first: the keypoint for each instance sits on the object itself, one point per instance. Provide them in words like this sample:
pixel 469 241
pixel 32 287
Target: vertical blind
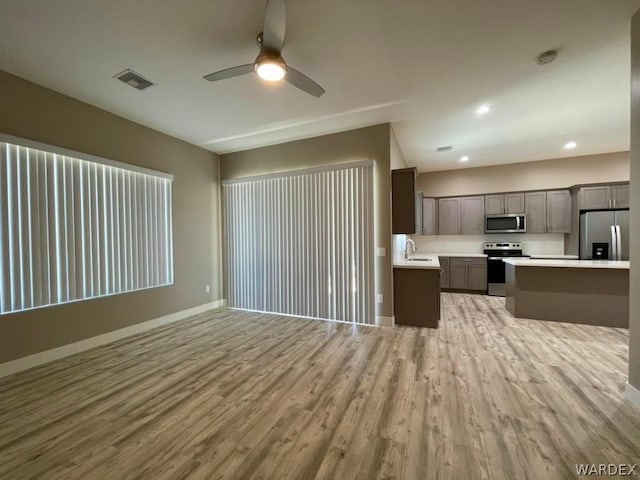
pixel 302 243
pixel 72 229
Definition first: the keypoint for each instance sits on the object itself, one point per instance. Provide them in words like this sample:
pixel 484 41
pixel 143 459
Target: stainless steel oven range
pixel 496 252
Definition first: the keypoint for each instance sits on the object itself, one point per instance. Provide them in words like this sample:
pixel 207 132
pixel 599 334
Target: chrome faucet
pixel 406 248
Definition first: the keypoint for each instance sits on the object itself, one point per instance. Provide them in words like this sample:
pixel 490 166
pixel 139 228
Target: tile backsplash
pixel 398 244
pixel 532 243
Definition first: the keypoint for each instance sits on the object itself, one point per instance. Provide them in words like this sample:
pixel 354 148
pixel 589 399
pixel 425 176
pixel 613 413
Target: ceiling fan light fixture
pixel 269 64
pixel 271 71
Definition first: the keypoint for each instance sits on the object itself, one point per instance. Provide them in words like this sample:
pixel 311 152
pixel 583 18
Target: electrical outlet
pixel 207 288
pixel 379 298
pixel 381 252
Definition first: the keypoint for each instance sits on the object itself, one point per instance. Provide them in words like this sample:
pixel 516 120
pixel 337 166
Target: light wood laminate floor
pixel 239 395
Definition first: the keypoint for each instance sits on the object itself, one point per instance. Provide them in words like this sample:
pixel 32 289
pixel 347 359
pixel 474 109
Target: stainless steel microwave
pixel 505 223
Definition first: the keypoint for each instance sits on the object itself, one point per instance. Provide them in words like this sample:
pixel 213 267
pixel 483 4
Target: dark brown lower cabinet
pixel 416 297
pixel 468 274
pixel 444 272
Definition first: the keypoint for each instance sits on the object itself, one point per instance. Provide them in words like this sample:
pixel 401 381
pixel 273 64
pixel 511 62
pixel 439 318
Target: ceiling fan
pixel 269 64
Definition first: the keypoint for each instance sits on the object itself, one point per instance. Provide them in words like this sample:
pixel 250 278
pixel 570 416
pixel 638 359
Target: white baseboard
pixel 385 321
pixel 47 356
pixel 632 394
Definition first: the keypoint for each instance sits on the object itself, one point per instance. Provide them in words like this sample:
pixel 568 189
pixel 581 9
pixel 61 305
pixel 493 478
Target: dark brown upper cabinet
pixel 548 212
pixel 504 203
pixel 604 197
pixel 403 200
pixel 461 216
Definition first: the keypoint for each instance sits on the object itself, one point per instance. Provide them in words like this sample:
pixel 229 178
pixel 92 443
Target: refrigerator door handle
pixel 614 243
pixel 618 243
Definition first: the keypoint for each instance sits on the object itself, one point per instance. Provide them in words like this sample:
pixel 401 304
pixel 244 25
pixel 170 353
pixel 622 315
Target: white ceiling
pixel 424 65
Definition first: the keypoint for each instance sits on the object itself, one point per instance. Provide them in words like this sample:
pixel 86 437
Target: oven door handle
pixel 496 258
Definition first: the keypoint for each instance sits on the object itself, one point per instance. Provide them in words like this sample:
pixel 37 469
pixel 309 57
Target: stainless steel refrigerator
pixel 604 235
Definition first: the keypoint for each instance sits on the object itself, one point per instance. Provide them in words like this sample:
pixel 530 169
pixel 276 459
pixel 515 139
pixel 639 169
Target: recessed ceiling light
pixel 464 158
pixel 483 109
pixel 570 145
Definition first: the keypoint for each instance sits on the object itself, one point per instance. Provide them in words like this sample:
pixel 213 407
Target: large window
pixel 301 243
pixel 75 228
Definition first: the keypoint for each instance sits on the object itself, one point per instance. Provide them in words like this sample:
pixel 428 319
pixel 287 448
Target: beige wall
pixel 540 175
pixel 634 281
pixel 33 112
pixel 370 143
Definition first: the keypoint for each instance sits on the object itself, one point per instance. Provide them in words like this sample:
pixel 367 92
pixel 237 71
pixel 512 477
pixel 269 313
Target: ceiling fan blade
pixel 230 72
pixel 275 24
pixel 304 83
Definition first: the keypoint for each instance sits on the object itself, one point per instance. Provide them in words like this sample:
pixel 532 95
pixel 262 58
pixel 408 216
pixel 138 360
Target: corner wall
pixel 634 280
pixel 370 143
pixel 37 113
pixel 397 158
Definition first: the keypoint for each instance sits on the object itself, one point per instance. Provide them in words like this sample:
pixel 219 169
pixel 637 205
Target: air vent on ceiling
pixel 134 79
pixel 547 57
pixel 444 149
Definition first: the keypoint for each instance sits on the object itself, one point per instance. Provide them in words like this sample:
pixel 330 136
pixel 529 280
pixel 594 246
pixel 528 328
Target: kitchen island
pixel 416 291
pixel 593 292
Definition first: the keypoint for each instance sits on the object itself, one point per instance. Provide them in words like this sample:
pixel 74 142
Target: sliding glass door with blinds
pixel 72 229
pixel 301 243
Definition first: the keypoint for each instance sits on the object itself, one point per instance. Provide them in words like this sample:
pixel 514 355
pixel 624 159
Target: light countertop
pixel 555 257
pixel 531 262
pixel 421 261
pixel 470 255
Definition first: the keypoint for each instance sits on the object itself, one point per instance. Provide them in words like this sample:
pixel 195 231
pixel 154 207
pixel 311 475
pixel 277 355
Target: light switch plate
pixel 381 252
pixel 379 298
